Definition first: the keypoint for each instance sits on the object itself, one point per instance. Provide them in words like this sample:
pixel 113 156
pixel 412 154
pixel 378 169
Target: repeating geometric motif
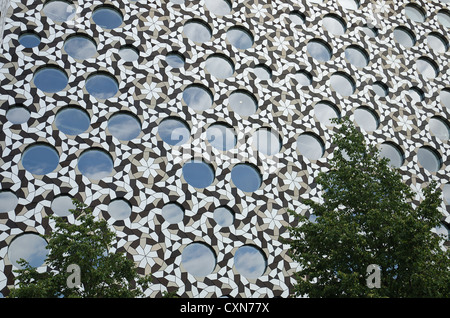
pixel 148 172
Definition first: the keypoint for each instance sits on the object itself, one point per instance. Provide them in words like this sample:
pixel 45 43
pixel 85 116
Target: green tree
pixel 86 244
pixel 367 216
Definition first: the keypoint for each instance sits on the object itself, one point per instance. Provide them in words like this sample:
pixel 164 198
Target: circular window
pixel 119 209
pixel 218 7
pixel 334 24
pixel 240 37
pixel 342 83
pixel 415 13
pixel 392 152
pixel 349 4
pixel 124 126
pixel 72 120
pixel 18 115
pixel 29 39
pixel 172 213
pixel 40 159
pixel 221 136
pixel 439 127
pixel 28 246
pixel 427 67
pixel 102 85
pixel 128 53
pixel 370 31
pixel 223 216
pixel 325 112
pixel 262 72
pixel 429 158
pixel 198 97
pixel 243 103
pixel 250 261
pixel 443 17
pixel 296 17
pixel 304 78
pixel 219 66
pixel 59 11
pixel 80 47
pixel 107 17
pixel 197 31
pixel 310 145
pixel 50 79
pixel 366 118
pixel 437 42
pixel 404 36
pixel 174 131
pixel 95 164
pixel 445 97
pixel 198 173
pixel 246 177
pixel 380 89
pixel 267 141
pixel 175 59
pixel 319 50
pixel 62 204
pixel 8 201
pixel 446 193
pixel 357 56
pixel 416 94
pixel 198 259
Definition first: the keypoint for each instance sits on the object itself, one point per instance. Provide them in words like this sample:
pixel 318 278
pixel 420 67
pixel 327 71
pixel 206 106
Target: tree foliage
pixel 85 243
pixel 367 215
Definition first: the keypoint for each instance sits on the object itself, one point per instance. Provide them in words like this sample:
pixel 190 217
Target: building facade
pixel 192 126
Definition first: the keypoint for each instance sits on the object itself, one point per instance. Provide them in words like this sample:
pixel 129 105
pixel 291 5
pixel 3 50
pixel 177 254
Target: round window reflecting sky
pixel 173 213
pixel 310 145
pixel 107 17
pixel 319 50
pixel 174 131
pixel 243 103
pixel 393 153
pixel 119 209
pixel 18 115
pixel 40 159
pixel 246 177
pixel 267 141
pixel 198 259
pixel 224 216
pixel 29 246
pixel 50 79
pixel 221 136
pixel 175 59
pixel 218 7
pixel 429 158
pixel 198 97
pixel 95 164
pixel 62 204
pixel 250 261
pixel 102 85
pixel 29 39
pixel 8 201
pixel 219 66
pixel 80 47
pixel 72 121
pixel 197 31
pixel 198 173
pixel 124 126
pixel 240 37
pixel 59 11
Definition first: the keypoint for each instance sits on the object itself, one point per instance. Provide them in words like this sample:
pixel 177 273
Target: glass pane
pixel 267 141
pixel 334 24
pixel 342 83
pixel 446 193
pixel 175 59
pixel 223 216
pixel 304 78
pixel 429 158
pixel 29 246
pixel 349 4
pixel 29 39
pixel 198 259
pixel 198 173
pixel 40 159
pixel 50 79
pixel 128 53
pixel 62 204
pixel 18 115
pixel 370 31
pixel 356 56
pixel 366 118
pixel 246 177
pixel 426 67
pixel 262 72
pixel 445 97
pixel 415 13
pixel 393 153
pixel 296 17
pixel 102 86
pixel 198 97
pixel 416 94
pixel 221 136
pixel 80 47
pixel 124 126
pixel 404 36
pixel 437 42
pixel 310 145
pixel 219 66
pixel 119 209
pixel 443 17
pixel 243 103
pixel 319 50
pixel 250 261
pixel 325 112
pixel 59 11
pixel 174 131
pixel 72 121
pixel 240 37
pixel 439 127
pixel 95 164
pixel 218 7
pixel 8 201
pixel 173 213
pixel 197 31
pixel 380 89
pixel 107 17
